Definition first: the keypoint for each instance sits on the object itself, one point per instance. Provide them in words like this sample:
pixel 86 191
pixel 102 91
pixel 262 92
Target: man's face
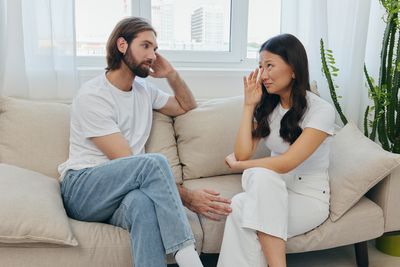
pixel 140 54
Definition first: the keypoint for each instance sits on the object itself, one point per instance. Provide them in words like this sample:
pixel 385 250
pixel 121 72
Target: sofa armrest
pixel 387 195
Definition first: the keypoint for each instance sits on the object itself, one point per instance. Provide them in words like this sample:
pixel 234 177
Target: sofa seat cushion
pixel 206 135
pixel 162 140
pixel 100 245
pixel 31 209
pixel 34 135
pixel 356 165
pixel 364 221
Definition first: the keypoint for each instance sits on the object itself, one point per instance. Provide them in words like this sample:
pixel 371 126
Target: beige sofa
pixel 34 136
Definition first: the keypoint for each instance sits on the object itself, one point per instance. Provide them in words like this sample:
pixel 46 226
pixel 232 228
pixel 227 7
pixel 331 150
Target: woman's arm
pixel 245 144
pixel 309 140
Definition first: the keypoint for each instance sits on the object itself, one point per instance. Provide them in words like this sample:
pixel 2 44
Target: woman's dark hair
pixel 290 49
pixel 127 28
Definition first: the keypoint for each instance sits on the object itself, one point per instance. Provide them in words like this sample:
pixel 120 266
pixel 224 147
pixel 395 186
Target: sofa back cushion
pixel 206 135
pixel 34 135
pixel 162 140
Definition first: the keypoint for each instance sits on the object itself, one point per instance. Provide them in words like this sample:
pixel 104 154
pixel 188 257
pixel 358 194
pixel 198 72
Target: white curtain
pixel 38 49
pixel 350 29
pixel 3 18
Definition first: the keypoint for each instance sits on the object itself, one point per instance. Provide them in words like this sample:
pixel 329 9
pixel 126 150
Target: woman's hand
pixel 233 163
pixel 252 87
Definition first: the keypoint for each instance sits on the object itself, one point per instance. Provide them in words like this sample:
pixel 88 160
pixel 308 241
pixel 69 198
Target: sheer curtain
pixel 350 29
pixel 38 49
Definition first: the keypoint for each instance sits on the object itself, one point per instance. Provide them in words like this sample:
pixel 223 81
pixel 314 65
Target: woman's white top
pixel 319 115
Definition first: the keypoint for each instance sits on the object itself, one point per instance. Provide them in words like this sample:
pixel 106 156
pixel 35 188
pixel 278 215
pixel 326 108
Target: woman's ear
pixel 293 76
pixel 122 45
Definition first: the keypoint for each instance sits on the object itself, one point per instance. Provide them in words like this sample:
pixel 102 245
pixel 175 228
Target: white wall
pixel 205 84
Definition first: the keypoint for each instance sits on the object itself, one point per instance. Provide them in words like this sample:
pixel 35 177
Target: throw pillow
pixel 162 140
pixel 31 208
pixel 206 135
pixel 356 165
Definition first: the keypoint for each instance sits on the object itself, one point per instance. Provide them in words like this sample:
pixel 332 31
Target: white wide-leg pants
pixel 275 204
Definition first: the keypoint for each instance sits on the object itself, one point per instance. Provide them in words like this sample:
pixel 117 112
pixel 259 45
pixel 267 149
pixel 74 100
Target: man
pixel 107 178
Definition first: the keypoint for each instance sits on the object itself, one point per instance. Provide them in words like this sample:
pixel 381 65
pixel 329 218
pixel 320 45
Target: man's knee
pixel 158 159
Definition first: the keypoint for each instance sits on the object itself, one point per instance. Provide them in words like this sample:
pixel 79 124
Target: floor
pixel 337 257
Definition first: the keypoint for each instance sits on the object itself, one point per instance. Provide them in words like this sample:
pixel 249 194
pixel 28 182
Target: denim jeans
pixel 137 193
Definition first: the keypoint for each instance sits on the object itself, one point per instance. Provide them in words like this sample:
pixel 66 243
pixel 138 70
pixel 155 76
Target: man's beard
pixel 136 68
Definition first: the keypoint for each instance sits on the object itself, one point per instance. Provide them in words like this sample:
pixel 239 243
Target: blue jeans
pixel 137 193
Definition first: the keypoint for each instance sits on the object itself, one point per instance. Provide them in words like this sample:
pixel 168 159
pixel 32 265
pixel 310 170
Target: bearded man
pixel 108 177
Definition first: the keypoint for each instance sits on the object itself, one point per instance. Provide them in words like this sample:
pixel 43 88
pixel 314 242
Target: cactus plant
pixel 327 56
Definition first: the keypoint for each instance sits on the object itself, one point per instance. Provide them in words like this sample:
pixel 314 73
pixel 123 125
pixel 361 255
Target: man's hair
pixel 127 28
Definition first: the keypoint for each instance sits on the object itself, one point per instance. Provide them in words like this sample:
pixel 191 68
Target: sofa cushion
pixel 206 135
pixel 34 135
pixel 100 245
pixel 364 221
pixel 356 165
pixel 31 208
pixel 162 140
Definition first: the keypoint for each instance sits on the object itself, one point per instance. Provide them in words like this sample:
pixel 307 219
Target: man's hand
pixel 162 68
pixel 207 203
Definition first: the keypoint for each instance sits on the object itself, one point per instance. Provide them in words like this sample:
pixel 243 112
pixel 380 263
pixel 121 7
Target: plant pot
pixel 389 244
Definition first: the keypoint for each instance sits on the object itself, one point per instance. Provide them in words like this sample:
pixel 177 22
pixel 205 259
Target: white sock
pixel 188 257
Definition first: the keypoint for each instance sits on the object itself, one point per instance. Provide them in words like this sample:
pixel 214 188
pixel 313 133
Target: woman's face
pixel 278 75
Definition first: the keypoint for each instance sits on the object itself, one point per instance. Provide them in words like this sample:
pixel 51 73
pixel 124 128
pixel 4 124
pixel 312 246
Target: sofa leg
pixel 361 250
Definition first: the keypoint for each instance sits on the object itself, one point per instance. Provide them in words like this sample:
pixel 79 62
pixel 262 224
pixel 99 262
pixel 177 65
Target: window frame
pixel 238 40
pixel 236 59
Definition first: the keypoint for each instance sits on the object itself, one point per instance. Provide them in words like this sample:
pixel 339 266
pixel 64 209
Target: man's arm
pixel 113 145
pixel 183 99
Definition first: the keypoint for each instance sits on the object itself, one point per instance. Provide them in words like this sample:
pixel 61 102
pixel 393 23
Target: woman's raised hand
pixel 252 87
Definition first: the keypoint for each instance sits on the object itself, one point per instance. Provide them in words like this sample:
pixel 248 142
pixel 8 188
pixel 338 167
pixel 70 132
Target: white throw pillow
pixel 356 165
pixel 31 208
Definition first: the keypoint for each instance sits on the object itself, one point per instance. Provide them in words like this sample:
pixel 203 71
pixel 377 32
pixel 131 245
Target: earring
pixel 293 76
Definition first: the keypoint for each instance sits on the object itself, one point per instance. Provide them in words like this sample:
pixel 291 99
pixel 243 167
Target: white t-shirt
pixel 101 109
pixel 319 115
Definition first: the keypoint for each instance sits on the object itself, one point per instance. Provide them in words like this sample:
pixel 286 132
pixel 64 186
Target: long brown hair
pixel 291 50
pixel 127 28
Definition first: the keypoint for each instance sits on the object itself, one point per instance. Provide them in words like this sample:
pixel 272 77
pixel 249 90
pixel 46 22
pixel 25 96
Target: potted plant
pixel 382 118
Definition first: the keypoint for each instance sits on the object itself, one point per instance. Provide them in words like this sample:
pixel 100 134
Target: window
pixel 221 31
pixel 94 22
pixel 192 25
pixel 264 22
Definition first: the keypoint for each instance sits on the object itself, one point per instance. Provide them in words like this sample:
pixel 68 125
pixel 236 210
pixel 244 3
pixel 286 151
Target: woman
pixel 286 194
